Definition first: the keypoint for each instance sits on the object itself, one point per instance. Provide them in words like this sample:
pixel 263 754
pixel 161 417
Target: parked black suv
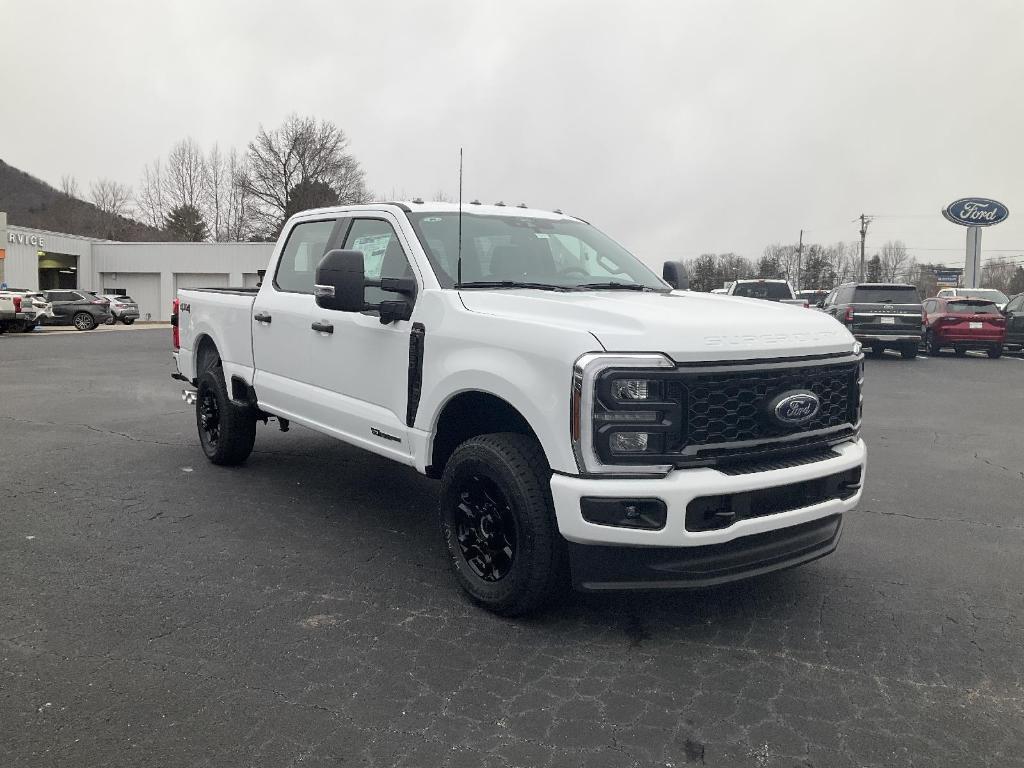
pixel 1014 312
pixel 881 316
pixel 78 308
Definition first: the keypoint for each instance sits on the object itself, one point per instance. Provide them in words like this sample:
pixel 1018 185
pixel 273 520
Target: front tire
pixel 960 351
pixel 995 353
pixel 227 430
pixel 29 327
pixel 876 351
pixel 932 344
pixel 498 523
pixel 83 321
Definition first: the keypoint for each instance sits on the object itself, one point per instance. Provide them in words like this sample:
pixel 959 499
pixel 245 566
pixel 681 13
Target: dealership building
pixel 150 273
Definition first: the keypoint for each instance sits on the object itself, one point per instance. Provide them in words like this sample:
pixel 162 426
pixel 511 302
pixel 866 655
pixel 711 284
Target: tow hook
pixel 189 396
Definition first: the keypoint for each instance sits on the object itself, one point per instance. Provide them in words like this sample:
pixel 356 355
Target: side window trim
pixel 339 221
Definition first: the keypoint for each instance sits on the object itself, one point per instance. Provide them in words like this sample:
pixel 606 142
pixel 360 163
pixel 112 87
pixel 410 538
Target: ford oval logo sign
pixel 976 212
pixel 792 409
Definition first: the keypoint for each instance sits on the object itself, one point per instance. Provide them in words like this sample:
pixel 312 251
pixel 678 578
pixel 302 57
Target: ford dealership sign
pixel 976 212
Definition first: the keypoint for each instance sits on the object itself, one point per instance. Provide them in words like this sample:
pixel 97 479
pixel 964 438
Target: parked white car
pixel 999 298
pixel 123 308
pixel 586 420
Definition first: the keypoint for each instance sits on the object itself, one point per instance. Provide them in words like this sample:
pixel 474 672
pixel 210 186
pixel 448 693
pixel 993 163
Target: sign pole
pixel 972 267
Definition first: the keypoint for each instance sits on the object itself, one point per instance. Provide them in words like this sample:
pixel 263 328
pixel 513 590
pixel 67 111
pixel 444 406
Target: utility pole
pixel 863 233
pixel 799 256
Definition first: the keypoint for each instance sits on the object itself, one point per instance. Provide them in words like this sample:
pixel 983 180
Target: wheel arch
pixel 470 413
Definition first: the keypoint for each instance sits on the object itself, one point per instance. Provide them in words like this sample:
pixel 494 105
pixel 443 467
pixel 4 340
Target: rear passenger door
pixel 281 336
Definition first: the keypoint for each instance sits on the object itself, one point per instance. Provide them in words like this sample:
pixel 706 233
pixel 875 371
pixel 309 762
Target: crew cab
pixel 589 424
pixel 32 309
pixel 769 290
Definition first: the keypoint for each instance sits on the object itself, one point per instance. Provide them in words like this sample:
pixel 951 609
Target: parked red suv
pixel 963 324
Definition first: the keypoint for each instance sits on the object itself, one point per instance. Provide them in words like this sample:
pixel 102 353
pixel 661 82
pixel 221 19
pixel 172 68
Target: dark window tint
pixel 882 294
pixel 975 307
pixel 383 255
pixel 773 291
pixel 1016 304
pixel 306 245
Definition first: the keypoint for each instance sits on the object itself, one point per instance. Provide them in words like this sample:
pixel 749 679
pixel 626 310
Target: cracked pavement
pixel 158 611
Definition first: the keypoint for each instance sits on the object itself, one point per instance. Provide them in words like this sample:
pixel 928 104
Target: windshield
pixel 512 250
pixel 991 294
pixel 771 291
pixel 973 306
pixel 886 294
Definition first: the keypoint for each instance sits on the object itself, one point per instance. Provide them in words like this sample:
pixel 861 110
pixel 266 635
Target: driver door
pixel 360 367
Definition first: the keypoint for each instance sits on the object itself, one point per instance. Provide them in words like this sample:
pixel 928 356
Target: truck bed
pixel 224 314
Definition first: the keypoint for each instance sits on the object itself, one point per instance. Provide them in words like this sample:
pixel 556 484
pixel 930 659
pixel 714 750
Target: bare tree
pixel 69 186
pixel 151 199
pixel 218 192
pixel 893 259
pixel 301 153
pixel 112 199
pixel 184 179
pixel 238 213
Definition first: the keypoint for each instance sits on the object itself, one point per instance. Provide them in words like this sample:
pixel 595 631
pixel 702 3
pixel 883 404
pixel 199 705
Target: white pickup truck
pixel 589 424
pixel 767 289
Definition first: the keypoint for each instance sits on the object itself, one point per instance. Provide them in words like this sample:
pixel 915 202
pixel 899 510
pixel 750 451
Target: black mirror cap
pixel 674 273
pixel 341 281
pixel 820 304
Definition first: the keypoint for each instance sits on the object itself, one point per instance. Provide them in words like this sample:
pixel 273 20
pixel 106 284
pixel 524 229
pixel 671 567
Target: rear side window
pixel 881 294
pixel 763 291
pixel 974 307
pixel 306 245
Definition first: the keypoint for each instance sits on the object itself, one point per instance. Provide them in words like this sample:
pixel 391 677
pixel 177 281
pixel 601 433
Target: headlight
pixel 623 410
pixel 857 347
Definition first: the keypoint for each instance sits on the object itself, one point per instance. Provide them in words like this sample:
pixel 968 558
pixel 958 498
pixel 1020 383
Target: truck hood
pixel 686 326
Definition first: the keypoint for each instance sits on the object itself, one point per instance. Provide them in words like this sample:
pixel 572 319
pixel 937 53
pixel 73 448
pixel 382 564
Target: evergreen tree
pixel 186 224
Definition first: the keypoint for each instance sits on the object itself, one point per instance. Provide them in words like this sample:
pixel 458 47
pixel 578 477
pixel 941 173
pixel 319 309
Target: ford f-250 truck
pixel 588 423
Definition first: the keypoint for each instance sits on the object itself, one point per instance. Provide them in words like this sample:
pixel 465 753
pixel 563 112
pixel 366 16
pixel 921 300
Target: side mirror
pixel 674 273
pixel 820 304
pixel 340 281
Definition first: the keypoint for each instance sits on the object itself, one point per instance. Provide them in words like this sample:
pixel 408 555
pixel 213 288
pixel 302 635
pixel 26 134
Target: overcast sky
pixel 677 127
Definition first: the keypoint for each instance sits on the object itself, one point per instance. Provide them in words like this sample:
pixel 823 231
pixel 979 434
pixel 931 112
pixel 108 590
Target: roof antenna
pixel 459 267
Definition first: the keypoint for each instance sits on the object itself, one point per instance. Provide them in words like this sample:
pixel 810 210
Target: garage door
pixel 144 287
pixel 200 280
pixel 250 279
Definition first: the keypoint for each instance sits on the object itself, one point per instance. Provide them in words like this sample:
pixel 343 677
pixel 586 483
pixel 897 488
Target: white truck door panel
pixel 361 370
pixel 281 336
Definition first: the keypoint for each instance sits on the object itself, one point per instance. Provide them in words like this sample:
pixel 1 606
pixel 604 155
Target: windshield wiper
pixel 511 284
pixel 613 287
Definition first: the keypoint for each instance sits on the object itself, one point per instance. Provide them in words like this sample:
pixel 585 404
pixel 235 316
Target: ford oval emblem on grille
pixel 791 409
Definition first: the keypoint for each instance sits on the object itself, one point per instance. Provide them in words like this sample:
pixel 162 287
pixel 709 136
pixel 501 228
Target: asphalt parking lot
pixel 156 610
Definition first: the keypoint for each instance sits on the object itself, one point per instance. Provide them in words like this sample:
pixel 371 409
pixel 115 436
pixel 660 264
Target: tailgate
pixel 886 318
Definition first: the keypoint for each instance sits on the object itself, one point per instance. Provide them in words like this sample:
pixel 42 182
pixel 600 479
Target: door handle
pixel 322 327
pixel 262 317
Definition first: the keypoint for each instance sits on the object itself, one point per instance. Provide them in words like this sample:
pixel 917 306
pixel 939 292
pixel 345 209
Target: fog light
pixel 631 389
pixel 625 513
pixel 628 442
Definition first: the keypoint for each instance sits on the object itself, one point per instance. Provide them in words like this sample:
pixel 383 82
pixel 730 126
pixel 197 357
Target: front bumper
pixel 656 556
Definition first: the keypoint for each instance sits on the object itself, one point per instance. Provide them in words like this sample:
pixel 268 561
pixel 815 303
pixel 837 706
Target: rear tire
pixel 128 320
pixel 876 351
pixel 29 327
pixel 227 430
pixel 83 321
pixel 959 351
pixel 909 352
pixel 498 523
pixel 995 353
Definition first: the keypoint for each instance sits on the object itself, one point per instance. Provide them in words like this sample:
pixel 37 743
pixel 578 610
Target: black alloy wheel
pixel 485 528
pixel 208 412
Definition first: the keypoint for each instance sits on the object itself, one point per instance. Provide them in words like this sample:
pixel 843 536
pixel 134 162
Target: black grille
pixel 731 406
pixel 708 513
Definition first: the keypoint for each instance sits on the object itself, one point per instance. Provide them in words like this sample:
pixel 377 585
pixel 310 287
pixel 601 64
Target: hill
pixel 31 202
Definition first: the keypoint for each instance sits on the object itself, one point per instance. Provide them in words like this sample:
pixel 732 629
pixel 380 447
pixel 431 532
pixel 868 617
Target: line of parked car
pixel 885 316
pixel 892 316
pixel 22 310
